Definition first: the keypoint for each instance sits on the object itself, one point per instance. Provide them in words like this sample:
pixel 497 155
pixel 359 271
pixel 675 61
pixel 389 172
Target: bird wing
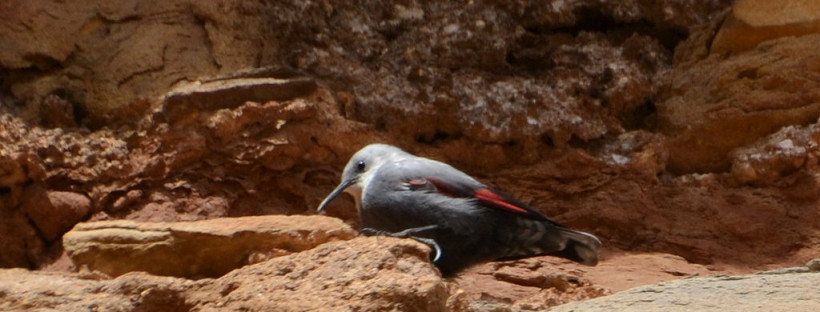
pixel 446 180
pixel 487 197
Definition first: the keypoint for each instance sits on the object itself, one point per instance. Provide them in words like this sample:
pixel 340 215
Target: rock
pixel 397 72
pixel 37 290
pixel 365 274
pixel 563 104
pixel 54 212
pixel 541 282
pixel 145 54
pixel 754 21
pixel 11 173
pixel 706 107
pixel 219 93
pixel 777 155
pixel 517 85
pixel 57 112
pixel 22 245
pixel 125 171
pixel 208 248
pixel 813 265
pixel 782 292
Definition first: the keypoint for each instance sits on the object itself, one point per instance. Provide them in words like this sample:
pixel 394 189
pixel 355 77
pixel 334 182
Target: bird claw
pixel 412 231
pixel 409 233
pixel 432 244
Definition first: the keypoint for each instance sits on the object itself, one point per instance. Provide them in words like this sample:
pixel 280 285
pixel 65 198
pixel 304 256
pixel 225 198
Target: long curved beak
pixel 339 189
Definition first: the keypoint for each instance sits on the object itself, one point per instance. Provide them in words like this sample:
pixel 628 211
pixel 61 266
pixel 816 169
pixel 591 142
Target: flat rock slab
pixel 790 292
pixel 207 248
pixel 233 92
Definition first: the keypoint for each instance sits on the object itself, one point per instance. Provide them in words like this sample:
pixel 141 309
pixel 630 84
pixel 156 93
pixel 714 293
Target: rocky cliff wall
pixel 640 121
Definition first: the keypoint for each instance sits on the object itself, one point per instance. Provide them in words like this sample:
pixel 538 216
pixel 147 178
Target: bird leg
pixel 410 233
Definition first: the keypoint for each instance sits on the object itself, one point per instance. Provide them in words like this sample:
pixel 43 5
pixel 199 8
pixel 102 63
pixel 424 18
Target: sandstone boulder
pixel 364 274
pixel 712 106
pixel 208 248
pixel 754 21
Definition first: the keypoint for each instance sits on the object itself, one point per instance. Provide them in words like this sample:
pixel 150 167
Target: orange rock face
pixel 738 99
pixel 621 118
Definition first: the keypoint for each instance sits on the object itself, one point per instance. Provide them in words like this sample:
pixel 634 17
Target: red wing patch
pixel 417 183
pixel 487 197
pixel 498 201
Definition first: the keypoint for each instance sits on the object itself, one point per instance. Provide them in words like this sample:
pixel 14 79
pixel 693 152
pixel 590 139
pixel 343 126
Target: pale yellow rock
pixel 232 92
pixel 754 21
pixel 196 249
pixel 787 292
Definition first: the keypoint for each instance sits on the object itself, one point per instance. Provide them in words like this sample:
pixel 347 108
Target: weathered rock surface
pixel 328 277
pixel 398 60
pixel 25 290
pixel 779 155
pixel 367 274
pixel 737 99
pixel 208 248
pixel 754 21
pixel 54 212
pixel 770 292
pixel 232 92
pixel 148 171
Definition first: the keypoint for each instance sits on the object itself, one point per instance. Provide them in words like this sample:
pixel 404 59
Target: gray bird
pixel 464 221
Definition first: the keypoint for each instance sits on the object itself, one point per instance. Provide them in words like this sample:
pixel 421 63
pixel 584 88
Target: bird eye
pixel 360 165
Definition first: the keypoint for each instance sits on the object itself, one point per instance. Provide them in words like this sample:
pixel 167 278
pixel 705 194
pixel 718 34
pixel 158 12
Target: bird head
pixel 360 170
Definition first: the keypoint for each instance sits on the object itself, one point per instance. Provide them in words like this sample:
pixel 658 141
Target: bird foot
pixel 409 233
pixel 432 244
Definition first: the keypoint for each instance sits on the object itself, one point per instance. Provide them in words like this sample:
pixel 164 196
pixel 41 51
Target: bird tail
pixel 536 237
pixel 580 247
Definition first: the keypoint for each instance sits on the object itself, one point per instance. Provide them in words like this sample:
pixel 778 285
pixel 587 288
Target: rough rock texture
pixel 368 274
pixel 207 248
pixel 54 212
pixel 74 119
pixel 779 155
pixel 49 291
pixel 190 167
pixel 397 273
pixel 211 248
pixel 754 21
pixel 115 56
pixel 769 292
pixel 738 99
